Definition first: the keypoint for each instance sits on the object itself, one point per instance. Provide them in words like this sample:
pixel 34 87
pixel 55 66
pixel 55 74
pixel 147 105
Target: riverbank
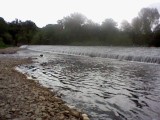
pixel 23 99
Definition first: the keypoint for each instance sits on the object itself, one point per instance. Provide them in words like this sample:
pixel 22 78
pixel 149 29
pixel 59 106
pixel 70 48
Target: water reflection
pixel 105 89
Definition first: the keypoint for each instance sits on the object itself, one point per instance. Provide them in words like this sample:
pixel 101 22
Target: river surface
pixel 108 83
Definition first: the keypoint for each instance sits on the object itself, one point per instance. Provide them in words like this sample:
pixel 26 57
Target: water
pixel 106 89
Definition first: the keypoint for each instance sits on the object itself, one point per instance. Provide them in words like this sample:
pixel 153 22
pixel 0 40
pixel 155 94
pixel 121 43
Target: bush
pixel 2 45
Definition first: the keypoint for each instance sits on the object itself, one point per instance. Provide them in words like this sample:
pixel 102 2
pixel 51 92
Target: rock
pixel 52 113
pixel 42 98
pixel 85 117
pixel 38 118
pixel 37 111
pixel 8 116
pixel 13 110
pixel 2 104
pixel 3 87
pixel 75 113
pixel 43 108
pixel 56 105
pixel 45 116
pixel 66 113
pixel 41 55
pixel 61 117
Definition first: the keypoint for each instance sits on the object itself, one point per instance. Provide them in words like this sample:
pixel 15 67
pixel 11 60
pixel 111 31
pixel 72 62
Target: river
pixel 108 83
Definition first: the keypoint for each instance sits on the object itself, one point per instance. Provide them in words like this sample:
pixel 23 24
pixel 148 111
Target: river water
pixel 108 83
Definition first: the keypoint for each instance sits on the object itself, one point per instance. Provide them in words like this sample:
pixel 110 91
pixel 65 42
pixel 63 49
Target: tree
pixel 3 26
pixel 126 26
pixel 149 19
pixel 109 31
pixel 109 25
pixel 156 36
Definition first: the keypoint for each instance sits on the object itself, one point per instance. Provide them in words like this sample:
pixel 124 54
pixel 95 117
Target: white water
pixel 140 54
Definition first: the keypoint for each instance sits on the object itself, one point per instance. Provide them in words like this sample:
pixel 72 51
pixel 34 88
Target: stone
pixel 43 108
pixel 56 105
pixel 75 113
pixel 2 104
pixel 61 117
pixel 42 98
pixel 85 117
pixel 8 116
pixel 37 111
pixel 66 113
pixel 3 87
pixel 38 118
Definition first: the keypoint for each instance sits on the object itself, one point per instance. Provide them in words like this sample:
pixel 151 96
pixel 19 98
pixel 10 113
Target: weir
pixel 144 54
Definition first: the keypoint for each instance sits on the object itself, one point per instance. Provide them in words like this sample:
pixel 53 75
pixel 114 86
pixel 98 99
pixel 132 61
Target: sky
pixel 44 12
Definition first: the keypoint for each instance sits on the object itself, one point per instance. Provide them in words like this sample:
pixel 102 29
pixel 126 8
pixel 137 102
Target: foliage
pixel 2 45
pixel 77 29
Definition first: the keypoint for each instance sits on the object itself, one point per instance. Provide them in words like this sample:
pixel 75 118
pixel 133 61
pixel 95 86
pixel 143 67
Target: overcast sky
pixel 44 12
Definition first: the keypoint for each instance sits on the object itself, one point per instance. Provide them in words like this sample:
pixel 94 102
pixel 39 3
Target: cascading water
pixel 106 89
pixel 144 54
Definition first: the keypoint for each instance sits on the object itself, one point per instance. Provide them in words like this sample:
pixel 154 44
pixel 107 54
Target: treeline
pixel 76 29
pixel 16 33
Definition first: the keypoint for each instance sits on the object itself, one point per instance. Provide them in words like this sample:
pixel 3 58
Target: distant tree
pixel 156 36
pixel 144 24
pixel 109 31
pixel 137 31
pixel 28 30
pixel 126 26
pixel 3 26
pixel 74 21
pixel 22 32
pixel 109 24
pixel 149 19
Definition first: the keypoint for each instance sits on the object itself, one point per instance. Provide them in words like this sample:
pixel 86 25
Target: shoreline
pixel 23 99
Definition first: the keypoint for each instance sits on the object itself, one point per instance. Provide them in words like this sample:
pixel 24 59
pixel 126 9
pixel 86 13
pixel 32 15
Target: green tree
pixel 149 18
pixel 156 36
pixel 109 31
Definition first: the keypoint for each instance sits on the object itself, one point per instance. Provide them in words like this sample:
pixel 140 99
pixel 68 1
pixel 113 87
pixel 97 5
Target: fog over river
pixel 108 83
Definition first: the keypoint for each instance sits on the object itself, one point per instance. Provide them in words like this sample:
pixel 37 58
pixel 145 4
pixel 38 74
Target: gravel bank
pixel 23 99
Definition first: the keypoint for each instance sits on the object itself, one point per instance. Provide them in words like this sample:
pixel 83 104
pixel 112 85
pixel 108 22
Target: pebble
pixel 38 118
pixel 61 117
pixel 74 113
pixel 2 104
pixel 85 117
pixel 42 98
pixel 24 99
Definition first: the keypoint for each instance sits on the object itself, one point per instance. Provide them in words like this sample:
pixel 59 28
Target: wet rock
pixel 75 113
pixel 85 117
pixel 41 55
